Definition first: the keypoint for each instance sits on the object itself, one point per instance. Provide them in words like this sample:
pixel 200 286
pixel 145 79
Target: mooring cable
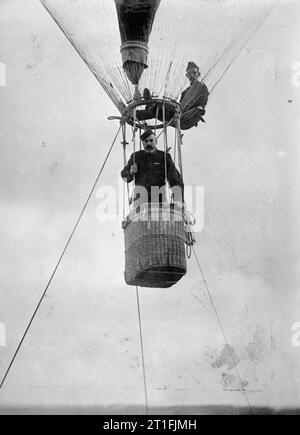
pixel 59 262
pixel 243 390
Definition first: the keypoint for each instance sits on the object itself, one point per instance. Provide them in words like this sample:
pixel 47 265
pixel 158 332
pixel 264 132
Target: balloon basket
pixel 155 246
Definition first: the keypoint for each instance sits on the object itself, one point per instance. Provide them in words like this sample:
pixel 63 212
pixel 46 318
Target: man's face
pixel 193 74
pixel 150 144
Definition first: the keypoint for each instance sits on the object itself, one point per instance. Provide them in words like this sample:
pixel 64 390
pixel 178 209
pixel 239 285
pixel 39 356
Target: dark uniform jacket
pixel 151 170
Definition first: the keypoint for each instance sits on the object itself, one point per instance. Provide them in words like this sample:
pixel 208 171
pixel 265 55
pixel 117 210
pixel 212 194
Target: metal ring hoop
pixel 169 103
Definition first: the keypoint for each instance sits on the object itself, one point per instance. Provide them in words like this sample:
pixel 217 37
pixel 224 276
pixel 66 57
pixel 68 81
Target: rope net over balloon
pixel 209 32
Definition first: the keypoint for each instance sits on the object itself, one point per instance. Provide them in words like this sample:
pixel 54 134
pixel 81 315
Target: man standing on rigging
pixel 150 169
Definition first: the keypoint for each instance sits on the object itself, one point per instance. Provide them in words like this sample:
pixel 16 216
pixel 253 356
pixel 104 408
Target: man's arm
pixel 125 173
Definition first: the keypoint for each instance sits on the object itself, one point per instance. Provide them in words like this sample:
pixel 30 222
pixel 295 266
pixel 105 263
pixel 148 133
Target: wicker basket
pixel 155 247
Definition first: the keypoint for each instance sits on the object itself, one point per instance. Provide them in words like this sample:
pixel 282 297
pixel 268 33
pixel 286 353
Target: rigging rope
pixel 214 34
pixel 179 144
pixel 238 52
pixel 137 289
pixel 125 187
pixel 165 149
pixel 142 350
pixel 223 331
pixel 59 262
pixel 175 146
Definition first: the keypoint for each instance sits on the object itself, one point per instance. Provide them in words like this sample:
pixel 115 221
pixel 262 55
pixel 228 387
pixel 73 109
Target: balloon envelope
pixel 210 33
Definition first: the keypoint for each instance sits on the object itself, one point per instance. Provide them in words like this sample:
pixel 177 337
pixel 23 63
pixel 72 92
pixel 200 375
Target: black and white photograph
pixel 149 209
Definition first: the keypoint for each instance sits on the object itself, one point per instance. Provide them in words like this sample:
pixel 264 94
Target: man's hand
pixel 133 169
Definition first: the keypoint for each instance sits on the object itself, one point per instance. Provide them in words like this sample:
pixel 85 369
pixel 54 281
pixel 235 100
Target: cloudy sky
pixel 83 348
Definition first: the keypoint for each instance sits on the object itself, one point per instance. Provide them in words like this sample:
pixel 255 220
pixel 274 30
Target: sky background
pixel 83 348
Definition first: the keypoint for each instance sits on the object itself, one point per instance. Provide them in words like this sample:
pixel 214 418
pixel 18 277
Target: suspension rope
pixel 98 46
pixel 142 350
pixel 222 330
pixel 134 137
pixel 238 52
pixel 59 261
pixel 125 143
pixel 137 290
pixel 175 146
pixel 179 144
pixel 165 147
pixel 156 116
pixel 189 236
